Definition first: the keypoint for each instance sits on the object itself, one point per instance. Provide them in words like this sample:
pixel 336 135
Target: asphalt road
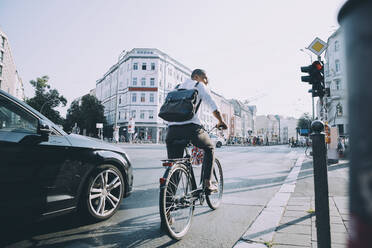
pixel 252 177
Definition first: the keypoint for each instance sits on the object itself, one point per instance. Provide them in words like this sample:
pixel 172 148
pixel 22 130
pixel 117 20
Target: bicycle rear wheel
pixel 175 202
pixel 214 199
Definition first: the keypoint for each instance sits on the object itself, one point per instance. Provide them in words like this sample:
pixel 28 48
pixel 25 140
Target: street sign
pixel 99 125
pixel 317 46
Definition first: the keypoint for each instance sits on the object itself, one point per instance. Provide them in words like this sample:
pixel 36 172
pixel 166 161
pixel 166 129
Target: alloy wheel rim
pixel 105 193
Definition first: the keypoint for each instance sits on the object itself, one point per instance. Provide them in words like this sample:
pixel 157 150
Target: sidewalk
pixel 296 227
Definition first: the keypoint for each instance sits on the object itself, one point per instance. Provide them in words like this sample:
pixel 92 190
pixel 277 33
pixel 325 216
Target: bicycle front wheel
pixel 176 203
pixel 214 199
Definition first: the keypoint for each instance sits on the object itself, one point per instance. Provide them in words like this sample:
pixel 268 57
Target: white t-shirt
pixel 204 94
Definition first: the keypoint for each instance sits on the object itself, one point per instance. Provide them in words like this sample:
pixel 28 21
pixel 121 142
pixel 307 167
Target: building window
pixel 326 70
pixel 119 101
pixel 143 81
pixel 341 129
pixel 339 111
pixel 119 115
pixel 134 82
pixel 153 66
pixel 151 97
pixel 142 114
pixel 135 66
pixel 2 41
pixel 133 114
pixel 338 84
pixel 152 81
pixel 1 56
pixel 160 83
pixel 151 114
pixel 337 45
pixel 143 97
pixel 144 65
pixel 1 71
pixel 134 97
pixel 0 84
pixel 337 64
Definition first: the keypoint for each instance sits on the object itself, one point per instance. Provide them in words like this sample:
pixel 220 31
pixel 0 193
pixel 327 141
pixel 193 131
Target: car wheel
pixel 103 193
pixel 219 144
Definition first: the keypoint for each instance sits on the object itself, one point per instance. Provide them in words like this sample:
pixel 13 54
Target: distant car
pixel 218 141
pixel 46 172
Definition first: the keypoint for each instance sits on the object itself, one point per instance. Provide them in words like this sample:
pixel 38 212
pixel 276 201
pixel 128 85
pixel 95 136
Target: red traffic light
pixel 317 65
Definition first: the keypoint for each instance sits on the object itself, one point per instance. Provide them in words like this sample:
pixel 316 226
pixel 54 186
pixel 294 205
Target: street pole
pixel 355 19
pixel 312 104
pixel 321 185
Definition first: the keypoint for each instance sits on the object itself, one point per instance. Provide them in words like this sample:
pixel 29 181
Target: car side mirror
pixel 43 129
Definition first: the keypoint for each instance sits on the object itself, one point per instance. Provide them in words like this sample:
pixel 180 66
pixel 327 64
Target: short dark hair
pixel 197 72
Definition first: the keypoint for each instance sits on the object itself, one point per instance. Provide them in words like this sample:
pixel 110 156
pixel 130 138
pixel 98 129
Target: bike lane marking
pixel 263 228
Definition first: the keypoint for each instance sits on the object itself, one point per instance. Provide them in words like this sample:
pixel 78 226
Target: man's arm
pixel 221 123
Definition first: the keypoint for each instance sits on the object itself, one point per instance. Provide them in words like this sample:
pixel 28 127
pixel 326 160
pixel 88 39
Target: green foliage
pixel 304 122
pixel 85 113
pixel 46 99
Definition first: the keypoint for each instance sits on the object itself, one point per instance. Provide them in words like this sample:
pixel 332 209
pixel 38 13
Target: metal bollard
pixel 321 185
pixel 355 18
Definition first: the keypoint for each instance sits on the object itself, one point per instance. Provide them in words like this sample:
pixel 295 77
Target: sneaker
pixel 212 188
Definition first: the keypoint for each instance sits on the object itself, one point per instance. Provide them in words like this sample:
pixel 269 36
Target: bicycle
pixel 179 192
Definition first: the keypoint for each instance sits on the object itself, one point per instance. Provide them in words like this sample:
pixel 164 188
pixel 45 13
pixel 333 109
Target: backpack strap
pixel 197 106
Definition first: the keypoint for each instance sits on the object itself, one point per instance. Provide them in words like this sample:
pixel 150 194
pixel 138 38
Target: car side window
pixel 13 118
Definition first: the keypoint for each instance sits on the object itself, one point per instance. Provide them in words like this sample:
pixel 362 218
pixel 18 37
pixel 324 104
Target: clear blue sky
pixel 248 48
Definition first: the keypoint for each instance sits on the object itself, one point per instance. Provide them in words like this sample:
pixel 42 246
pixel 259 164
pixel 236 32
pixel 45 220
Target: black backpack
pixel 180 105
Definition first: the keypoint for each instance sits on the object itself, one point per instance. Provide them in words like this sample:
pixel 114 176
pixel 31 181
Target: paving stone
pixel 336 220
pixel 295 220
pixel 339 238
pixel 292 239
pixel 243 244
pixel 338 228
pixel 298 208
pixel 295 213
pixel 286 246
pixel 295 203
pixel 345 216
pixel 296 229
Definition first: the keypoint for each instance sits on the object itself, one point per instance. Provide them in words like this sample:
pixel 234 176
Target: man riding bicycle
pixel 192 130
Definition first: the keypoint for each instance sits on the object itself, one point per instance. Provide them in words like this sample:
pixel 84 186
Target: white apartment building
pixel 267 128
pixel 243 124
pixel 336 112
pixel 10 80
pixel 136 86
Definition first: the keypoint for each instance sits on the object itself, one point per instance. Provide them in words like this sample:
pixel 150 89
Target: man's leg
pixel 202 140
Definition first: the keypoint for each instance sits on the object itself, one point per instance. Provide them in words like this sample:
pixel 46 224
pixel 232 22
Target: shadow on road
pixel 70 231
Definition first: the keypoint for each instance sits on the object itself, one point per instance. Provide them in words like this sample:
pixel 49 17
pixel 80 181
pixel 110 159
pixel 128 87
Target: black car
pixel 45 171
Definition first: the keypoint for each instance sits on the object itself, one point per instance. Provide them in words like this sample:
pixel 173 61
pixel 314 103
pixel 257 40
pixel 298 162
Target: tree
pixel 304 122
pixel 46 99
pixel 85 113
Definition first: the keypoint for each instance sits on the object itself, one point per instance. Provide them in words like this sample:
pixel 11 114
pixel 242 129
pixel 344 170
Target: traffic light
pixel 315 77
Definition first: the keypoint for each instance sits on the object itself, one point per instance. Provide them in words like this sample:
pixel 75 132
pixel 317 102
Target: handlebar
pixel 215 127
